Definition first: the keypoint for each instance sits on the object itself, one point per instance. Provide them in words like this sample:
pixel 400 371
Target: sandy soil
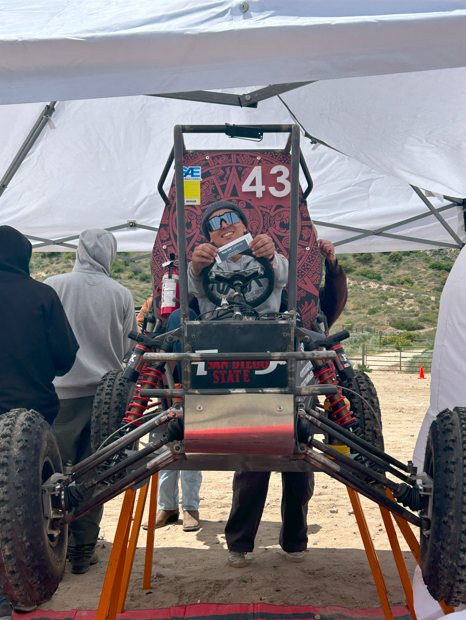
pixel 191 567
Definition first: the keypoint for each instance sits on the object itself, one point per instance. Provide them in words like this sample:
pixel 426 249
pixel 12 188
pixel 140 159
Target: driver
pixel 222 223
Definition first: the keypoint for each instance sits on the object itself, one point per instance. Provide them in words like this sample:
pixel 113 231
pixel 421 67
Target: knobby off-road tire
pixel 443 549
pixel 110 404
pixel 31 561
pixel 369 421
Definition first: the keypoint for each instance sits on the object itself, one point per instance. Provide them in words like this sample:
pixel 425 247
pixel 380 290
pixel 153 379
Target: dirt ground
pixel 191 567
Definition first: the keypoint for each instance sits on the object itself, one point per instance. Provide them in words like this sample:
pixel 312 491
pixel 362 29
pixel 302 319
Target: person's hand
pixel 203 255
pixel 327 250
pixel 262 246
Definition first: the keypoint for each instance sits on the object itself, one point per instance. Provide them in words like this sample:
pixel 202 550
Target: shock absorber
pixel 145 376
pixel 149 378
pixel 337 405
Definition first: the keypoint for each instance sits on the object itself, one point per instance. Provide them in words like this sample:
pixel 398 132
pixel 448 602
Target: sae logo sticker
pixel 192 185
pixel 193 173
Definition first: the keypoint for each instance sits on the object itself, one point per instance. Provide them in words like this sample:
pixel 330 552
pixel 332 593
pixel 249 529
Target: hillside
pixel 391 290
pixel 136 275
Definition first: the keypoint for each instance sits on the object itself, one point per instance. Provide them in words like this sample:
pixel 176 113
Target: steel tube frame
pixel 126 463
pixel 319 461
pixel 242 355
pixel 352 464
pixel 178 150
pixel 102 455
pixel 294 222
pixel 138 475
pixel 361 450
pixel 305 390
pixel 312 415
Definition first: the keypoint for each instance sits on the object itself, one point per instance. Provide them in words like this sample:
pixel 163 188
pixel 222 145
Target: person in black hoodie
pixel 36 340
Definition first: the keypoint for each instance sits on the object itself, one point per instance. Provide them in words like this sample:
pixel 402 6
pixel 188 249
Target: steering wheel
pixel 239 279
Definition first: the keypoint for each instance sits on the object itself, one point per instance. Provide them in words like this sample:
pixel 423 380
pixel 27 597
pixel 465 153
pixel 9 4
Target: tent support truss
pixel 64 242
pixel 382 232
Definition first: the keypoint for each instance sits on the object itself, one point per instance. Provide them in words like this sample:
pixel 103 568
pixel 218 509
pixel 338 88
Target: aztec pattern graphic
pixel 264 196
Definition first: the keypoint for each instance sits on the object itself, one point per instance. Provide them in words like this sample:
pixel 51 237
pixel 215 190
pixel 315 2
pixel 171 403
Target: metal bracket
pixel 52 488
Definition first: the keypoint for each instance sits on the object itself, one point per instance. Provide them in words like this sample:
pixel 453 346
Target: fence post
pixel 400 359
pixel 363 355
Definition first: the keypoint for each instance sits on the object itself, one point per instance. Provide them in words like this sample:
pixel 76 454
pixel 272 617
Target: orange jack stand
pixel 413 544
pixel 397 554
pixel 120 565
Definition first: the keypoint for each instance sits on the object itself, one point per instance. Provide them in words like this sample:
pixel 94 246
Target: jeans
pixel 174 321
pixel 168 497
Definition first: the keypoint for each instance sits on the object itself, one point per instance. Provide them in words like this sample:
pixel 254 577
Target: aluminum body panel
pixel 240 424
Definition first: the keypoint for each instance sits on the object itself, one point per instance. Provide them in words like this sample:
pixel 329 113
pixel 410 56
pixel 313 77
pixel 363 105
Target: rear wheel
pixel 32 557
pixel 110 404
pixel 443 546
pixel 367 411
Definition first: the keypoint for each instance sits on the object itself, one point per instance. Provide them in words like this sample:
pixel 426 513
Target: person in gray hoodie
pixel 101 314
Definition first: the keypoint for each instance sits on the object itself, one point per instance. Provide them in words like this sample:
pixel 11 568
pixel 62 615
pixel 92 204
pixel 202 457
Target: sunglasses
pixel 215 222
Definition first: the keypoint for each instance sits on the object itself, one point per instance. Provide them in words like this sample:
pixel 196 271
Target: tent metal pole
pixel 434 211
pixel 246 100
pixel 27 145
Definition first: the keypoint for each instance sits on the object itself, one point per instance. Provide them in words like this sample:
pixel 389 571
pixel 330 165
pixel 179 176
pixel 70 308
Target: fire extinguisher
pixel 170 299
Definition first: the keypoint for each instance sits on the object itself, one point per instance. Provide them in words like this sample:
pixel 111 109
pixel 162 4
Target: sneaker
pixel 24 609
pixel 5 610
pixel 237 559
pixel 191 521
pixel 295 556
pixel 164 517
pixel 81 558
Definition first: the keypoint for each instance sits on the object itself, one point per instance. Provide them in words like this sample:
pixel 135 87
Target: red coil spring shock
pixel 149 378
pixel 341 413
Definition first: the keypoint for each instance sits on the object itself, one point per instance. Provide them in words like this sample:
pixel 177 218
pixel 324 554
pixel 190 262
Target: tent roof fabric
pixel 96 154
pixel 56 50
pixel 97 163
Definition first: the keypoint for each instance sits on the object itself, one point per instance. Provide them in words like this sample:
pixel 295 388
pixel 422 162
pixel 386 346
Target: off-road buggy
pixel 247 399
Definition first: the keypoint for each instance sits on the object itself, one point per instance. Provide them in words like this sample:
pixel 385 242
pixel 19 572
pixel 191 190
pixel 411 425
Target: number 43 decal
pixel 254 182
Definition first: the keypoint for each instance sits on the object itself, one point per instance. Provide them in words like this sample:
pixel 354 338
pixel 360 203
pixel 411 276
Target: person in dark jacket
pixel 36 341
pixel 250 488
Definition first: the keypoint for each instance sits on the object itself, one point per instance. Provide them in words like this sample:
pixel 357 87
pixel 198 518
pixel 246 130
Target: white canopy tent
pixel 90 162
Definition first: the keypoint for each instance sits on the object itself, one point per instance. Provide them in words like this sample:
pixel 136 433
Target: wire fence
pixel 409 359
